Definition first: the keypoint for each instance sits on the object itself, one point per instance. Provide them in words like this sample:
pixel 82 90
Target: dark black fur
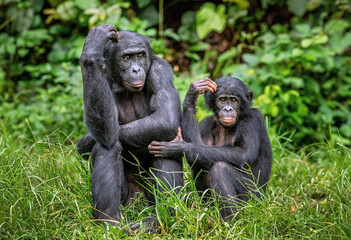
pixel 129 101
pixel 224 152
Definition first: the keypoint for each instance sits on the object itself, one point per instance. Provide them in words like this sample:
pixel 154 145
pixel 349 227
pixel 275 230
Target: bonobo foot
pixel 150 224
pixel 85 146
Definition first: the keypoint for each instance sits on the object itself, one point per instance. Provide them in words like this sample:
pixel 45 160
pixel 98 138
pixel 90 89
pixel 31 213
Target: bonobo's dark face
pixel 131 61
pixel 227 109
pixel 231 100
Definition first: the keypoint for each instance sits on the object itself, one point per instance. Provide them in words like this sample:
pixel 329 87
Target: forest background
pixel 294 55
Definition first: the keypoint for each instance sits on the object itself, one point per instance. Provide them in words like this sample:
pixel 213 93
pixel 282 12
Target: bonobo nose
pixel 227 108
pixel 136 69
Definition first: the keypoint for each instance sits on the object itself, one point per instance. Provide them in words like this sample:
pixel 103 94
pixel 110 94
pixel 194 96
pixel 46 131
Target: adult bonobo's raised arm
pixel 232 145
pixel 101 115
pixel 129 101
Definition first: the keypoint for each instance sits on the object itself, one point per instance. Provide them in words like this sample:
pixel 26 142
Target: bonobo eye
pixel 233 100
pixel 126 57
pixel 221 99
pixel 140 55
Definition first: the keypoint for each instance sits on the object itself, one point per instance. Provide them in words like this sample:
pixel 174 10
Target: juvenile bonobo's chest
pixel 132 106
pixel 220 136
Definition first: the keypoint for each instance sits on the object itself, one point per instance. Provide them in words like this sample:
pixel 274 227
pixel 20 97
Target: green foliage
pixel 38 111
pixel 300 73
pixel 301 79
pixel 210 18
pixel 298 7
pixel 40 79
pixel 299 70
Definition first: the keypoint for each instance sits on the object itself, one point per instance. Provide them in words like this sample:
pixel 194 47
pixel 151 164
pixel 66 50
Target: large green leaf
pixel 298 7
pixel 86 4
pixel 210 18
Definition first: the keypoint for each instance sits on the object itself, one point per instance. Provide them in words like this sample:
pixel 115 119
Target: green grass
pixel 45 194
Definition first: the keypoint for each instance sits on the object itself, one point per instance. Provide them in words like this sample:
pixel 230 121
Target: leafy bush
pixel 40 80
pixel 299 70
pixel 38 111
pixel 302 78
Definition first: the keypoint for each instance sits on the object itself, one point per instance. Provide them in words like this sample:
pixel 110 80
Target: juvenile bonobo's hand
pixel 96 40
pixel 172 149
pixel 198 87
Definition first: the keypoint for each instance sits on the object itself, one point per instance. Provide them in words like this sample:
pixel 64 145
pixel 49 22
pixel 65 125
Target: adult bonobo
pixel 232 146
pixel 129 101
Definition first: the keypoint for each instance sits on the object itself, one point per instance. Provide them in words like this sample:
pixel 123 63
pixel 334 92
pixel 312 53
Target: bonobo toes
pixel 150 224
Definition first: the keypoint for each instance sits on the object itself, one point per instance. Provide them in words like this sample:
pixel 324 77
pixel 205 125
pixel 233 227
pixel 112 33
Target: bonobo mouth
pixel 227 121
pixel 135 85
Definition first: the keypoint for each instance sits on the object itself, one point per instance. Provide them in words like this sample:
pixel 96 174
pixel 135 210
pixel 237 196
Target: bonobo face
pixel 228 109
pixel 134 65
pixel 131 61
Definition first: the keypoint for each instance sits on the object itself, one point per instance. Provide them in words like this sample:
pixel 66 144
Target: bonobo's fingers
pixel 156 148
pixel 209 85
pixel 113 34
pixel 203 85
pixel 179 137
pixel 97 39
pixel 212 84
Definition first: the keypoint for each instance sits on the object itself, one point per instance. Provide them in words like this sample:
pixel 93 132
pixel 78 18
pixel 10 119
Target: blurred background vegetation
pixel 294 54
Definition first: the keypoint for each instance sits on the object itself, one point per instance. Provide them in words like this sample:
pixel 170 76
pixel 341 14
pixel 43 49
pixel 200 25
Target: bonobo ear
pixel 210 99
pixel 249 95
pixel 108 49
pixel 147 40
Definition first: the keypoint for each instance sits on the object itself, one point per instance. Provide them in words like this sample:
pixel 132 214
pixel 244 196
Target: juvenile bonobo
pixel 129 101
pixel 225 145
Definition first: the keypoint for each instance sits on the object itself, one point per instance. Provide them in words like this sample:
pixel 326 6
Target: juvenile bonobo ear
pixel 210 99
pixel 249 95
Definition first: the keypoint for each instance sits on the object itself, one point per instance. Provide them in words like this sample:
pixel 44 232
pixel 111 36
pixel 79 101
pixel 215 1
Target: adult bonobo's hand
pixel 198 87
pixel 96 40
pixel 172 149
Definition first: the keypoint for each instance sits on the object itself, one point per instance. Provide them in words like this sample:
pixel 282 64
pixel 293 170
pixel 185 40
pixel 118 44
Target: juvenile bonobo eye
pixel 126 57
pixel 222 99
pixel 233 100
pixel 140 55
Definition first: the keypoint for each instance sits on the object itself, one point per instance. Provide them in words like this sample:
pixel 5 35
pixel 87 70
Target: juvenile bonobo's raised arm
pixel 191 132
pixel 234 132
pixel 101 115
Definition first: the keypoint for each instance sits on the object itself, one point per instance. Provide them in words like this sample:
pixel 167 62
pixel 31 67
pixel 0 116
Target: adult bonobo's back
pixel 129 101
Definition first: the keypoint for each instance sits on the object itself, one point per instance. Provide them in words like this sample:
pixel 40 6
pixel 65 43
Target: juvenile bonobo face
pixel 231 100
pixel 131 60
pixel 228 109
